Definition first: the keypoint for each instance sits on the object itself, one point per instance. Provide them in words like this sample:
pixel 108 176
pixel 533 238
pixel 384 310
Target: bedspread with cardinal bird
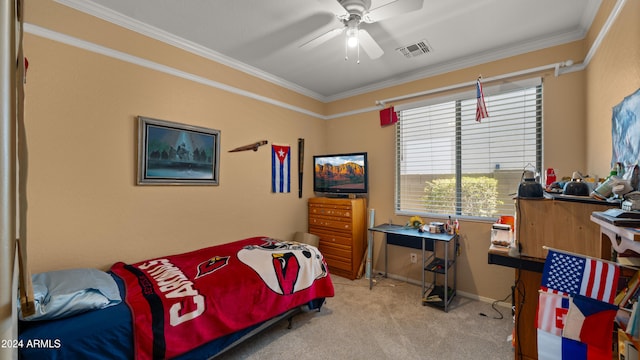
pixel 182 301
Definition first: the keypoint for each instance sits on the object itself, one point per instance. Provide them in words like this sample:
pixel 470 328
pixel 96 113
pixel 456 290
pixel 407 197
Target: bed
pixel 194 305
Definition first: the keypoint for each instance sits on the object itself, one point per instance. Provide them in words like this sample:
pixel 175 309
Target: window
pixel 449 164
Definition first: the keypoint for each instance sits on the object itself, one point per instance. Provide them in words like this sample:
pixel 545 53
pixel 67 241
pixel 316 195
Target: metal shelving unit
pixel 434 294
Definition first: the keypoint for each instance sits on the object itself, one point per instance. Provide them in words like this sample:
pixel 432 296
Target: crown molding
pixel 99 11
pixel 590 13
pixel 106 14
pixel 91 8
pixel 82 44
pixel 465 62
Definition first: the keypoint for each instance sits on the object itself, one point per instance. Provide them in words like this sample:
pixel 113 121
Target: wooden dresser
pixel 341 226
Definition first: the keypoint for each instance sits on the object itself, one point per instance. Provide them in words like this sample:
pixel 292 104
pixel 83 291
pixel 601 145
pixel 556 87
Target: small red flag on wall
pixel 388 116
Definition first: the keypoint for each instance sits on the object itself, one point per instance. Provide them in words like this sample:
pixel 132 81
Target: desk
pixel 621 238
pixel 431 263
pixel 519 262
pixel 525 300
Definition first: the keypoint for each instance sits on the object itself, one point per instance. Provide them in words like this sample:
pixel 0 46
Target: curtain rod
pixel 555 66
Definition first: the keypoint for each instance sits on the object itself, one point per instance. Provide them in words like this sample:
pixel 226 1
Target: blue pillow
pixel 59 294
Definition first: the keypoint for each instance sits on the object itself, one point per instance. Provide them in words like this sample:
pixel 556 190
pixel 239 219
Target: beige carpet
pixel 388 322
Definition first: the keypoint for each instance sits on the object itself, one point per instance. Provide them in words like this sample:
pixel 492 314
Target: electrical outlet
pixel 414 258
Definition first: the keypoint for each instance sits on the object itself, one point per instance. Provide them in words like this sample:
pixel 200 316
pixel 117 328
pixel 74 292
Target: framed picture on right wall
pixel 625 130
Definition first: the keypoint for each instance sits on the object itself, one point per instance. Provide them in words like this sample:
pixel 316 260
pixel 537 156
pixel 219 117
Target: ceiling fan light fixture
pixel 352 37
pixel 351 13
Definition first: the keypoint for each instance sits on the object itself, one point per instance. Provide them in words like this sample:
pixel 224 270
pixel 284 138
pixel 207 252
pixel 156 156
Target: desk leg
pixel 386 257
pixel 370 258
pixel 423 296
pixel 455 264
pixel 446 277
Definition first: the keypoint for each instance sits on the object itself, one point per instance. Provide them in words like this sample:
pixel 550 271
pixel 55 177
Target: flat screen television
pixel 340 173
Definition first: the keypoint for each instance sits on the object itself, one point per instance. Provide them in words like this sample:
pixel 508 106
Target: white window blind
pixel 449 164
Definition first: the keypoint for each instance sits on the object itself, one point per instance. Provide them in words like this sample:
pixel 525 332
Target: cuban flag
pixel 280 168
pixel 573 274
pixel 481 107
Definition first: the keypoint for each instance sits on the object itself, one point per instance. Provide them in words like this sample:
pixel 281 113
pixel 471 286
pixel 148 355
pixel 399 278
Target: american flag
pixel 481 108
pixel 573 274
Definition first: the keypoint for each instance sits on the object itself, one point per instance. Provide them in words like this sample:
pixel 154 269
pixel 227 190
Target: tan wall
pixel 84 206
pixel 570 141
pixel 613 74
pixel 564 114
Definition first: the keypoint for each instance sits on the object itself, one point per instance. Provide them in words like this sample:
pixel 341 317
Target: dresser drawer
pixel 332 204
pixel 337 262
pixel 344 211
pixel 328 236
pixel 331 223
pixel 335 250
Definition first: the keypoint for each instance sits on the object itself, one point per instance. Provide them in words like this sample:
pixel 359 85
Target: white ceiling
pixel 263 37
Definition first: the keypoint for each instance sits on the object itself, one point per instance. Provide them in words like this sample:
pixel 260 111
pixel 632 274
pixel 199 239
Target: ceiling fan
pixel 352 13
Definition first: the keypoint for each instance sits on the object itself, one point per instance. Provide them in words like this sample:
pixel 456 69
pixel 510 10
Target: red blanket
pixel 182 301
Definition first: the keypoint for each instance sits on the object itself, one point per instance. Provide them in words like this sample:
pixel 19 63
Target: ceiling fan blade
pixel 322 38
pixel 369 45
pixel 392 9
pixel 335 7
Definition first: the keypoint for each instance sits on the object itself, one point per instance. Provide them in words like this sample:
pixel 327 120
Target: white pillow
pixel 59 294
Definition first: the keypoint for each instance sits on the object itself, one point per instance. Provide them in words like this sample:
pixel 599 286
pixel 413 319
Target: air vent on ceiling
pixel 417 49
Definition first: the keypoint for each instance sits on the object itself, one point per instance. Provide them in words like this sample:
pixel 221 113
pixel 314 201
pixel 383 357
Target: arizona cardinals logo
pixel 284 267
pixel 287 267
pixel 209 266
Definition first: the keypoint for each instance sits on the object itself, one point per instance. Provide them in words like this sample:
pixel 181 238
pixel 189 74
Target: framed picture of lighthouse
pixel 170 153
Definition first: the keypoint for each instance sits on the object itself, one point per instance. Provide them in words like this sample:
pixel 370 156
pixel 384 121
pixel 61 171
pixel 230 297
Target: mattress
pixel 260 279
pixel 111 336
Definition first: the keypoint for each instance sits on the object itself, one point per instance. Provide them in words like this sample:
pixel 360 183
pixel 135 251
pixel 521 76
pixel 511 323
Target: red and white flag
pixel 552 311
pixel 481 107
